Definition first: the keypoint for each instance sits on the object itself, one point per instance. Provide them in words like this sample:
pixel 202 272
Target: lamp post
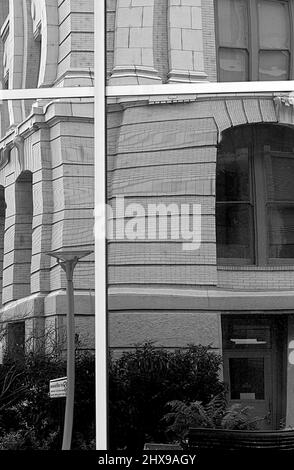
pixel 68 260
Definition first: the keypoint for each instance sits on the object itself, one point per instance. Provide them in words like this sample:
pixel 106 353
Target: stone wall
pixel 163 150
pixel 46 164
pixel 160 41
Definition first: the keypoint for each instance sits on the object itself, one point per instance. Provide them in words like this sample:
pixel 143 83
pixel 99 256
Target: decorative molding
pixel 37 22
pixel 213 300
pixel 186 76
pixel 134 74
pixel 167 99
pixel 5 155
pixel 284 106
pixel 18 142
pixel 287 100
pixel 4 34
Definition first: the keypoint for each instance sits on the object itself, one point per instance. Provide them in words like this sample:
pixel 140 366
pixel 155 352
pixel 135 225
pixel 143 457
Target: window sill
pixel 248 267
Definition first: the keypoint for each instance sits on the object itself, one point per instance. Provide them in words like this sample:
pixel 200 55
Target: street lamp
pixel 68 260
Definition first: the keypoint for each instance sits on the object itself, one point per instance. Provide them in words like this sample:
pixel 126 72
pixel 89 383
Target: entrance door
pixel 254 366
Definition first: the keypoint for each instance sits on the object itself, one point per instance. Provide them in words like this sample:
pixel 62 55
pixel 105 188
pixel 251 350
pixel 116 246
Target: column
pixel 186 58
pixel 133 49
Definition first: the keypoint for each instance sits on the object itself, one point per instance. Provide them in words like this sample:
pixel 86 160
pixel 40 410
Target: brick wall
pixel 160 38
pixel 208 31
pixel 164 160
pixel 110 29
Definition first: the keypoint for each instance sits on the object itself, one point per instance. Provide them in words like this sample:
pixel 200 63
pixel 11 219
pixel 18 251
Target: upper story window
pixel 254 39
pixel 255 195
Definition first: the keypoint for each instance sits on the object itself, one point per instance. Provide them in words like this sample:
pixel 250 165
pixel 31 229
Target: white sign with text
pixel 57 387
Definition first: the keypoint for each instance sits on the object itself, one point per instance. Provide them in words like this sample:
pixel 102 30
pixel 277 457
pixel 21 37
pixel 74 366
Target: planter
pixel 222 439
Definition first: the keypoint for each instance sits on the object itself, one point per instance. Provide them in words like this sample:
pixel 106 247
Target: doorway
pixel 254 354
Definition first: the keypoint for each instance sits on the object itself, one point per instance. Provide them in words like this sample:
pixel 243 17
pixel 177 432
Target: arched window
pixel 255 195
pixel 254 39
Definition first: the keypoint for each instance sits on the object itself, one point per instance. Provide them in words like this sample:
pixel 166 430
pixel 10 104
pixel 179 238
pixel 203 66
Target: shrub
pixel 215 414
pixel 30 417
pixel 26 440
pixel 141 382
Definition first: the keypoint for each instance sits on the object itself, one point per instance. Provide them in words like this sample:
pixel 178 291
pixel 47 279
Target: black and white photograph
pixel 147 229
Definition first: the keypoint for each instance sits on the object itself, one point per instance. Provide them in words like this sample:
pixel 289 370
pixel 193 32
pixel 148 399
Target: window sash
pixel 253 49
pixel 258 155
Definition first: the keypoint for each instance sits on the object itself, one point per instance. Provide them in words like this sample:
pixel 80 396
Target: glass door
pixel 255 365
pixel 249 376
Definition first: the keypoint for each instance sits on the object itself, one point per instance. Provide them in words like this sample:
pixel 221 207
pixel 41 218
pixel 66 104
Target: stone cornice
pixel 214 300
pixel 44 115
pixel 142 100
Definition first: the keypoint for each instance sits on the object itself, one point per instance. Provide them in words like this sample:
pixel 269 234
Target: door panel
pixel 248 375
pixel 254 365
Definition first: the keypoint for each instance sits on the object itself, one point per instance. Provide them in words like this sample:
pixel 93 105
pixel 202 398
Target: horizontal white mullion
pixel 47 93
pixel 200 88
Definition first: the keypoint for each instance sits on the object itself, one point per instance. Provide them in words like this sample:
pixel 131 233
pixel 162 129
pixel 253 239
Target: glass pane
pixel 247 336
pixel 233 65
pixel 234 231
pixel 281 231
pixel 279 178
pixel 232 176
pixel 233 23
pixel 278 138
pixel 273 65
pixel 247 378
pixel 274 26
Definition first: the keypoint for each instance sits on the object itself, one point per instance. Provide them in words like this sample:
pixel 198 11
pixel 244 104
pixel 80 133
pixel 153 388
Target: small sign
pixel 247 396
pixel 247 341
pixel 57 387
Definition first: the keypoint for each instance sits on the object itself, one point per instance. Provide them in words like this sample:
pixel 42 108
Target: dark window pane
pixel 233 65
pixel 279 178
pixel 273 65
pixel 16 340
pixel 281 231
pixel 274 25
pixel 247 378
pixel 232 23
pixel 232 178
pixel 278 138
pixel 234 231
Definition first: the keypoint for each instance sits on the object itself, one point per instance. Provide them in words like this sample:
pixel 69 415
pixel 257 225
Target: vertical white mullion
pixel 100 243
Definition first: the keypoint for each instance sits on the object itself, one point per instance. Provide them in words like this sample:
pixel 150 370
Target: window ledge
pixel 280 267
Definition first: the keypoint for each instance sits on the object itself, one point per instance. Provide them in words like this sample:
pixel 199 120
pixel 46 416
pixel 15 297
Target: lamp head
pixel 69 255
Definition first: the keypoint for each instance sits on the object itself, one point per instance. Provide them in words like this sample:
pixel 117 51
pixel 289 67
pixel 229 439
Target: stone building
pixel 231 154
pixel 46 167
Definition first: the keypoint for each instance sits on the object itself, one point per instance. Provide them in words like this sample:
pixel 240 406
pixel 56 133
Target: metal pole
pixel 68 267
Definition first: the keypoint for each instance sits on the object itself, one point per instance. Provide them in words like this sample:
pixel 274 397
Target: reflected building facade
pixel 230 154
pixel 46 169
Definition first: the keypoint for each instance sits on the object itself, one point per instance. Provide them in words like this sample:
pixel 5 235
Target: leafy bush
pixel 141 382
pixel 26 440
pixel 215 414
pixel 29 418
